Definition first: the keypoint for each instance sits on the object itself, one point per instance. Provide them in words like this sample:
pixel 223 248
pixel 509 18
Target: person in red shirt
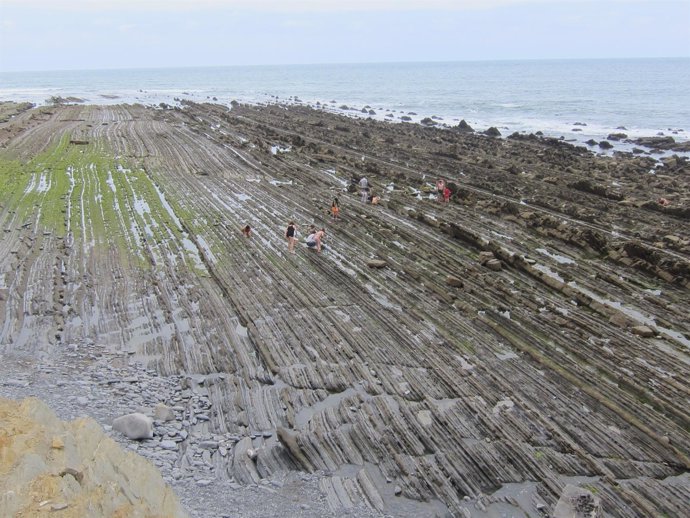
pixel 446 195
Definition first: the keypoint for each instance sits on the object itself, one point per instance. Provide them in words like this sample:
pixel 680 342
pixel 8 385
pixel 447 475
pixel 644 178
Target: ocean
pixel 574 99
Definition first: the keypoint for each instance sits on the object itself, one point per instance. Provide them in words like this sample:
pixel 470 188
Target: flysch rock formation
pixel 529 336
pixel 49 467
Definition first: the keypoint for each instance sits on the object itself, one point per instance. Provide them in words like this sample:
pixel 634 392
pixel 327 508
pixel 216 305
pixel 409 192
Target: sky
pixel 106 34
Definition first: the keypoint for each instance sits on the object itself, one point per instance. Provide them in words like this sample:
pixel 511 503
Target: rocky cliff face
pixel 466 357
pixel 47 465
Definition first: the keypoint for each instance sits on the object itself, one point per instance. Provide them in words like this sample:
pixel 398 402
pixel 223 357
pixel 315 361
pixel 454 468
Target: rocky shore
pixel 520 350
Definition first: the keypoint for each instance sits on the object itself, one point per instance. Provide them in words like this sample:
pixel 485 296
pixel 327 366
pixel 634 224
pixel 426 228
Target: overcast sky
pixel 94 34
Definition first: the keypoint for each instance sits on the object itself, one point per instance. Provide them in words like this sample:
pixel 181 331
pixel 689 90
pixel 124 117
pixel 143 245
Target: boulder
pixel 655 142
pixel 616 136
pixel 492 132
pixel 376 263
pixel 605 145
pixel 163 413
pixel 464 127
pixel 451 280
pixel 494 264
pixel 643 331
pixel 620 320
pixel 134 426
pixel 484 257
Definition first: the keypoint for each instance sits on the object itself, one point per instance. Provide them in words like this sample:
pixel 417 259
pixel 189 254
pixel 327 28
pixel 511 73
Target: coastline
pixel 439 358
pixel 521 97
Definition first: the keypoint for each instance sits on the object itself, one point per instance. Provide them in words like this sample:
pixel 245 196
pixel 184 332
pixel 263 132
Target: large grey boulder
pixel 163 413
pixel 134 426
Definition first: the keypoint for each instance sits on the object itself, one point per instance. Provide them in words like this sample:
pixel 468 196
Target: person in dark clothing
pixel 291 236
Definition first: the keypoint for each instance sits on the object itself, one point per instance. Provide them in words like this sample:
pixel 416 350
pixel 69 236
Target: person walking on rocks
pixel 364 186
pixel 335 208
pixel 291 236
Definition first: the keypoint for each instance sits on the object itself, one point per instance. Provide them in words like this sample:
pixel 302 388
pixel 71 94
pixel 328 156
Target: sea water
pixel 573 99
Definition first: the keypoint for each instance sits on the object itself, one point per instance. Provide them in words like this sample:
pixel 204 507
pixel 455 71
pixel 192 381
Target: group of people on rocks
pixel 316 236
pixel 443 190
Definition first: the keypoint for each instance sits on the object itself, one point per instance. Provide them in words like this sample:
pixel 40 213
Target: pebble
pixel 16 383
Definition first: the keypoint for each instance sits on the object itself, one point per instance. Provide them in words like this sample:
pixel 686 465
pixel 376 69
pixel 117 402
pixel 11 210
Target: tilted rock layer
pixel 492 357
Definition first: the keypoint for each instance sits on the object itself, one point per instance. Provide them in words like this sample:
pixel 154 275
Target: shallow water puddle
pixel 241 331
pixel 382 299
pixel 241 196
pixel 561 259
pixel 206 248
pixel 634 314
pixel 43 183
pixel 168 208
pixel 549 272
pixel 332 174
pixel 193 251
pixel 278 182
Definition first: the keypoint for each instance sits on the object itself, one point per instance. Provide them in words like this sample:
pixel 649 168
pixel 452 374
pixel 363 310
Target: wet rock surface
pixel 437 358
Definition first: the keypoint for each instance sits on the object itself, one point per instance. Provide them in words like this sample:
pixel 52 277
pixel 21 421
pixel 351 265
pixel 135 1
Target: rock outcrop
pixel 47 465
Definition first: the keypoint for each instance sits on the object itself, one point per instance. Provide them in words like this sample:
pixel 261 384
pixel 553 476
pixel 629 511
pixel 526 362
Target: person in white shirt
pixel 364 186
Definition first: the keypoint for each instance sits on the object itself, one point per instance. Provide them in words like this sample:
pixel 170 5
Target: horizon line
pixel 402 62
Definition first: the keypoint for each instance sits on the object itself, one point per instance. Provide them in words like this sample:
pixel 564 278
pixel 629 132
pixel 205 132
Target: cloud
pixel 289 5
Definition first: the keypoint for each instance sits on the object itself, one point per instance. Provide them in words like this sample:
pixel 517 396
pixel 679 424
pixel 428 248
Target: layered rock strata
pixel 492 357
